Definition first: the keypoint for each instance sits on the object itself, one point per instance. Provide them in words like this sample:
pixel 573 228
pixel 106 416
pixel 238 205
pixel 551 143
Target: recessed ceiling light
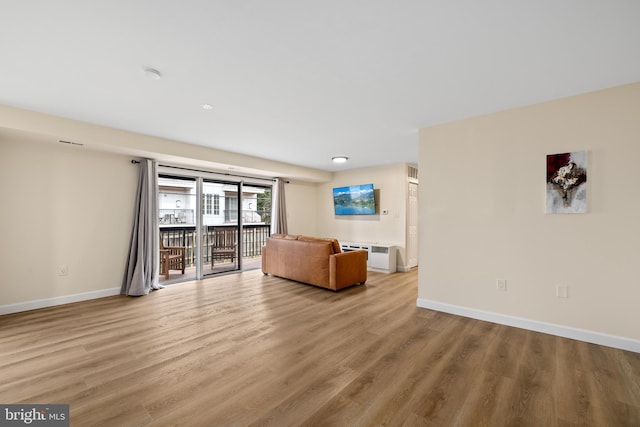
pixel 339 159
pixel 207 107
pixel 152 74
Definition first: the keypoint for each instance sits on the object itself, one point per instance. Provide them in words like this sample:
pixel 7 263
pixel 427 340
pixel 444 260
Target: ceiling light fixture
pixel 207 107
pixel 152 73
pixel 339 159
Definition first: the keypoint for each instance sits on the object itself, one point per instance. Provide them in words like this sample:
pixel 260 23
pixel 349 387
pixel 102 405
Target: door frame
pixel 200 176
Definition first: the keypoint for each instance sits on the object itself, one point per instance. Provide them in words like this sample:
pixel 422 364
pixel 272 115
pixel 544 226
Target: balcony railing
pixel 254 238
pixel 176 216
pixel 186 216
pixel 248 216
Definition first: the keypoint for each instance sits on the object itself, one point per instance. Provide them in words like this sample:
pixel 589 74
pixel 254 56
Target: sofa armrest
pixel 347 268
pixel 265 268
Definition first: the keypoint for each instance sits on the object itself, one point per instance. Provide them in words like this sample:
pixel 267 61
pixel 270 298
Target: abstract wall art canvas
pixel 567 183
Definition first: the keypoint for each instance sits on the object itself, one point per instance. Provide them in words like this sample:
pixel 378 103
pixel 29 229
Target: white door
pixel 412 226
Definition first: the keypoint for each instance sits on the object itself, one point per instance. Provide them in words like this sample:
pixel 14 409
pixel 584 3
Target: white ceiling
pixel 301 81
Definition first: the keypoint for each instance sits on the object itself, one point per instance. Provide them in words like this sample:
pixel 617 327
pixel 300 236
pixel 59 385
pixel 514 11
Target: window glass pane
pixel 221 239
pixel 177 207
pixel 176 200
pixel 256 205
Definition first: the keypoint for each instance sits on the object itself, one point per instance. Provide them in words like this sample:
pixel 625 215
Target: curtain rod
pixel 218 173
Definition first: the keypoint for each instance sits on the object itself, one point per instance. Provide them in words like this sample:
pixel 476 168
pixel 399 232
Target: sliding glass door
pixel 210 226
pixel 256 223
pixel 236 221
pixel 221 225
pixel 177 213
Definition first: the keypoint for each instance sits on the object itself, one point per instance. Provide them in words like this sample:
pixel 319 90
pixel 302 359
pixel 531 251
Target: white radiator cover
pixel 380 257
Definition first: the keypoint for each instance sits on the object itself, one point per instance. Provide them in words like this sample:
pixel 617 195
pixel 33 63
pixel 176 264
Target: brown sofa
pixel 313 260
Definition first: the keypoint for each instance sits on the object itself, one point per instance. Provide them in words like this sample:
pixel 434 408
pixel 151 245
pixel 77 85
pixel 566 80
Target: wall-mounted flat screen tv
pixel 354 200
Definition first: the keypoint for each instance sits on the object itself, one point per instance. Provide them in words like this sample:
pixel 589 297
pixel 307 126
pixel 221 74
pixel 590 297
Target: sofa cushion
pixel 334 242
pixel 285 236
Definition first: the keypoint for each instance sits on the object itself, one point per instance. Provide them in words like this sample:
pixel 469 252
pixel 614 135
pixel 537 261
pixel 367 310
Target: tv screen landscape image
pixel 354 200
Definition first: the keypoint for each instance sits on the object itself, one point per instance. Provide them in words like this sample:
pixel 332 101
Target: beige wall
pixel 52 129
pixel 390 183
pixel 482 203
pixel 302 210
pixel 70 205
pixel 73 205
pixel 62 205
pixel 67 205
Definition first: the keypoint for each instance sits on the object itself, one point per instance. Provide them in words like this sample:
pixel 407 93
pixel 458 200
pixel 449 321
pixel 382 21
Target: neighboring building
pixel 177 203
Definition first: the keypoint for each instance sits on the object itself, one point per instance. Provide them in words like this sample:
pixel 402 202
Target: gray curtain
pixel 279 223
pixel 141 273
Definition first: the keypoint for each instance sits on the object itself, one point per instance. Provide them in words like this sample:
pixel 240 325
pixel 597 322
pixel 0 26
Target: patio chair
pixel 171 258
pixel 224 244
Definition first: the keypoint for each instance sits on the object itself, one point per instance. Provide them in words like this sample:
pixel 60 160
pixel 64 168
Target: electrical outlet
pixel 63 270
pixel 562 291
pixel 501 285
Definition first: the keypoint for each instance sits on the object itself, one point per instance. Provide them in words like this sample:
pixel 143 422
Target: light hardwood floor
pixel 249 349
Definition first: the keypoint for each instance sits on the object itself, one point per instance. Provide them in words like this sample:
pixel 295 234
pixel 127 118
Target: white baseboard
pixel 50 302
pixel 535 325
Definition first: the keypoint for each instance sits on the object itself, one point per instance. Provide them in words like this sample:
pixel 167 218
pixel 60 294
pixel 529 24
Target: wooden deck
pixel 175 276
